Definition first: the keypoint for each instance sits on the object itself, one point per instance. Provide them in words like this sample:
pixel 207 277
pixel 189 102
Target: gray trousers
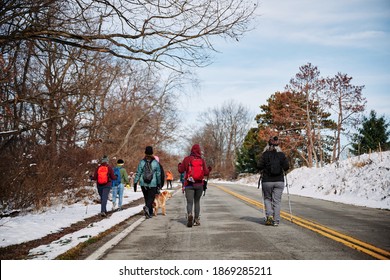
pixel 193 195
pixel 272 194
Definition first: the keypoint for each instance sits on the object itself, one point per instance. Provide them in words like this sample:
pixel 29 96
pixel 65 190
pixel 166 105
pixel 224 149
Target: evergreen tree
pixel 372 134
pixel 250 152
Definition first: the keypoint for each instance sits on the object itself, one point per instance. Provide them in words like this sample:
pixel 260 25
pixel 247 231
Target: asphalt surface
pixel 232 229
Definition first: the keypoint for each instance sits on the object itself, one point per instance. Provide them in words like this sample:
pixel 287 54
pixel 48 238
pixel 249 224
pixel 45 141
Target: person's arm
pixel 139 171
pixel 111 173
pixel 285 162
pixel 158 174
pixel 125 176
pixel 261 163
pixel 206 169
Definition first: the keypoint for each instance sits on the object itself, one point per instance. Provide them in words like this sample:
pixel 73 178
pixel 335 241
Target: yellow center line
pixel 349 241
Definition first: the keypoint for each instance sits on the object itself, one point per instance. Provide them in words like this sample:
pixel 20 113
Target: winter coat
pixel 264 165
pixel 124 176
pixel 111 176
pixel 169 176
pixel 184 166
pixel 139 177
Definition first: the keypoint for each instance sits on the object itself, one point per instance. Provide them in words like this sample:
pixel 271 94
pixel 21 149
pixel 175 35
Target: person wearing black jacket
pixel 272 164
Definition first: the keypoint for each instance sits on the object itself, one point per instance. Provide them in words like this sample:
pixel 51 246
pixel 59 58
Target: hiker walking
pixel 149 177
pixel 118 185
pixel 195 170
pixel 104 175
pixel 169 178
pixel 273 163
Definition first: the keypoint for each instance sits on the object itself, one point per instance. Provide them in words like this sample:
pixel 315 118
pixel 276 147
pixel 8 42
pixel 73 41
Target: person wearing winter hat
pixel 193 188
pixel 272 165
pixel 104 175
pixel 119 185
pixel 149 177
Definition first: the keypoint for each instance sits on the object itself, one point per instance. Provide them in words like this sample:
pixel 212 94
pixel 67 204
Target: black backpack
pixel 275 166
pixel 148 172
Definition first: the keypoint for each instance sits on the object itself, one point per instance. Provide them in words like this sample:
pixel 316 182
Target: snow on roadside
pixel 361 181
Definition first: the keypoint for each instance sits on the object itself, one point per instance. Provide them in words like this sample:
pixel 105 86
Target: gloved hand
pixel 209 168
pixel 128 186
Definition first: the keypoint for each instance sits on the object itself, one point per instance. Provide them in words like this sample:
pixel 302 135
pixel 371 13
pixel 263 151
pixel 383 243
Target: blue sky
pixel 347 36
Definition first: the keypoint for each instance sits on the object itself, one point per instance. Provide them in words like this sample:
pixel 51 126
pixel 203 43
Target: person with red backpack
pixel 104 175
pixel 195 169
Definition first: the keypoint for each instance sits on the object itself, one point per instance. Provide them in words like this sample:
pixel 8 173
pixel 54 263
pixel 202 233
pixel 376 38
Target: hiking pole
pixel 205 185
pixel 288 197
pixel 184 203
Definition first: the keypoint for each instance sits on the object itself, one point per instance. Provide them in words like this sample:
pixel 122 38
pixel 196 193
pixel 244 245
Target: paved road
pixel 234 229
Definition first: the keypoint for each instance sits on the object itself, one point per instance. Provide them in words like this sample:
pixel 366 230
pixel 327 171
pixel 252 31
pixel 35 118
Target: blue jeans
pixel 117 191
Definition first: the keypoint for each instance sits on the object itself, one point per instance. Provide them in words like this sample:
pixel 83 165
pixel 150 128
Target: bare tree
pixel 346 101
pixel 171 33
pixel 310 84
pixel 222 134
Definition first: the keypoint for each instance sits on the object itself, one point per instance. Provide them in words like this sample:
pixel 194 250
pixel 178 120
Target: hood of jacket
pixel 195 151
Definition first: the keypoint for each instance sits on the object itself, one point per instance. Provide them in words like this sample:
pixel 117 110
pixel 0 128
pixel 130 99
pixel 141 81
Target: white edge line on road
pixel 103 249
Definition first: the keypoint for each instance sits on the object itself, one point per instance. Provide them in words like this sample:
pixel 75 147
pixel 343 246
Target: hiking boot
pixel 196 222
pixel 189 221
pixel 103 214
pixel 275 224
pixel 113 206
pixel 146 211
pixel 269 221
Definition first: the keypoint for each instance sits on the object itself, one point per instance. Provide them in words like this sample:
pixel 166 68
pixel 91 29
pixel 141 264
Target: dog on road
pixel 159 202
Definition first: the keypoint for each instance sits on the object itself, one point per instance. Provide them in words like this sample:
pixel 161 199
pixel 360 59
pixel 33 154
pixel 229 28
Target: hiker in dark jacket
pixel 104 189
pixel 272 164
pixel 149 189
pixel 193 188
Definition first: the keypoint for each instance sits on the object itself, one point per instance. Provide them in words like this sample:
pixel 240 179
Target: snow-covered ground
pixel 363 181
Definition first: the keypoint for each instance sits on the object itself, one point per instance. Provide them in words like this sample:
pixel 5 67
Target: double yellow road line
pixel 349 241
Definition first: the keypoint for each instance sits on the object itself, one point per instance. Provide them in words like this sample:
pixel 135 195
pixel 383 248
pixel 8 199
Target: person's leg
pixel 190 193
pixel 151 193
pixel 197 197
pixel 105 193
pixel 277 200
pixel 144 192
pixel 120 195
pixel 267 192
pixel 100 192
pixel 114 193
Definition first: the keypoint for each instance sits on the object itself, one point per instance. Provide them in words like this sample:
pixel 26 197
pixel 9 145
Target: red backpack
pixel 195 170
pixel 102 175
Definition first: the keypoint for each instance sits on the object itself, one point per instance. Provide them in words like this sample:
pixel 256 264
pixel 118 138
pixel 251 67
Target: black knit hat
pixel 273 141
pixel 120 161
pixel 149 150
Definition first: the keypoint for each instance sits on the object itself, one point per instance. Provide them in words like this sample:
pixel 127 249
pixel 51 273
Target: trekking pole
pixel 184 203
pixel 205 185
pixel 288 197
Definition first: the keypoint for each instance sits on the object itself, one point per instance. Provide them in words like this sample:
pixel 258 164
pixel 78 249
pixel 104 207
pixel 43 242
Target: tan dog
pixel 159 201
